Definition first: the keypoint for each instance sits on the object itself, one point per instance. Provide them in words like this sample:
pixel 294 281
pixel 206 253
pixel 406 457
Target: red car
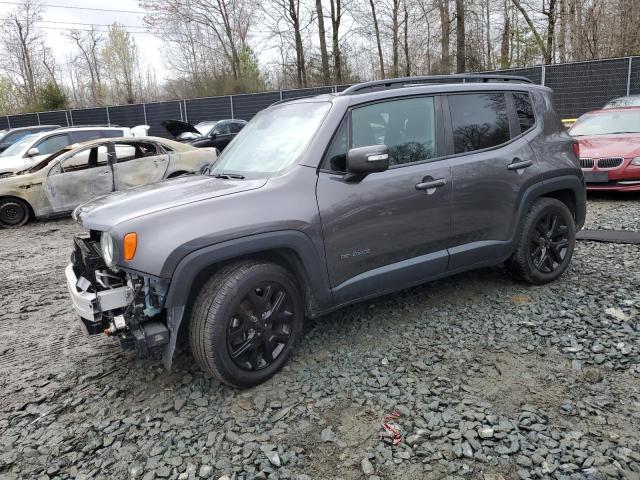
pixel 609 148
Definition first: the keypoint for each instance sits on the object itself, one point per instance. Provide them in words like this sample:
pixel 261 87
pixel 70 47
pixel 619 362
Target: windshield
pixel 17 147
pixel 205 128
pixel 607 123
pixel 273 140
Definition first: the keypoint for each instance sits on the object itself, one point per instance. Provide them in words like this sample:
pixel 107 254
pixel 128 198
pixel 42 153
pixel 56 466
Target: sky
pixel 56 21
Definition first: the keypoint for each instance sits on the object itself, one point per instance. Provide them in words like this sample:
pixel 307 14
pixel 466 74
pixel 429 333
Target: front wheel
pixel 13 213
pixel 546 243
pixel 245 323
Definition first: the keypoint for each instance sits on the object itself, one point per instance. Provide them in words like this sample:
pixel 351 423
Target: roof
pixel 178 146
pixel 612 110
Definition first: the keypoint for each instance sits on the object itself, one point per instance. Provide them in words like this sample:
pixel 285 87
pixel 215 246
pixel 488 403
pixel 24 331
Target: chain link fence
pixel 578 87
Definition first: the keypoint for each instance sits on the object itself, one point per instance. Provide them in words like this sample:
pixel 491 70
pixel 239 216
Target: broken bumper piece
pixel 91 306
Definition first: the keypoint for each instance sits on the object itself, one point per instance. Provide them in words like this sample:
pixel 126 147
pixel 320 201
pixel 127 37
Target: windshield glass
pixel 273 140
pixel 17 147
pixel 607 123
pixel 205 128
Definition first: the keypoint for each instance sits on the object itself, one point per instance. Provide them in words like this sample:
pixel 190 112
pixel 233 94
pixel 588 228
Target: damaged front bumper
pixel 91 305
pixel 117 303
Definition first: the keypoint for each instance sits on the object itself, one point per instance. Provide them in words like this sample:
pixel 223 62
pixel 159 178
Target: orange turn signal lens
pixel 130 245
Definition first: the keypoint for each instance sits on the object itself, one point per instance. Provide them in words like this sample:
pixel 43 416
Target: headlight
pixel 636 162
pixel 106 246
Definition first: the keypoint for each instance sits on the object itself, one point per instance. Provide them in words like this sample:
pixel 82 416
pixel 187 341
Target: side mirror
pixel 213 135
pixel 362 161
pixel 33 151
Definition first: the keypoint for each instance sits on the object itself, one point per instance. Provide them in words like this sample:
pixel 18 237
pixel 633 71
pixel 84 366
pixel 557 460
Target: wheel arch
pixel 32 213
pixel 569 189
pixel 291 249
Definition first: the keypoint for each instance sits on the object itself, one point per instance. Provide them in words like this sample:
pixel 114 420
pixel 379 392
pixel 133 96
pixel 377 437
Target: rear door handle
pixel 431 185
pixel 518 164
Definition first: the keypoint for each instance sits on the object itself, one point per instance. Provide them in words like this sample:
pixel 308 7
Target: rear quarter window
pixel 524 111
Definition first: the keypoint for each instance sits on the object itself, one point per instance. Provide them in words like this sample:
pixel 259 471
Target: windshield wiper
pixel 228 176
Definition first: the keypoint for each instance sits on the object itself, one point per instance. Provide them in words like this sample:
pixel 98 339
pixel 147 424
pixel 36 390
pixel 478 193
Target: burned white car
pixel 78 173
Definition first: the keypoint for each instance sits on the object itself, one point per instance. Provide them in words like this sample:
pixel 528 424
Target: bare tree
pixel 21 44
pixel 336 20
pixel 90 43
pixel 445 38
pixel 324 55
pixel 228 20
pixel 461 55
pixel 376 27
pixel 120 57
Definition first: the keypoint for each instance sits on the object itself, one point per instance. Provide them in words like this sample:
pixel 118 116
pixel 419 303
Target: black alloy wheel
pixel 13 213
pixel 246 321
pixel 545 243
pixel 260 327
pixel 549 242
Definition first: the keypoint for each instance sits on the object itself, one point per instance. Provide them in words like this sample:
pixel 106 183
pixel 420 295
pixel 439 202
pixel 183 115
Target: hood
pixel 105 212
pixel 621 145
pixel 178 128
pixel 14 163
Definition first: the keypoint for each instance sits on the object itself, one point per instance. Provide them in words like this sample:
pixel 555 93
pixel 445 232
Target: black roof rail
pixel 433 79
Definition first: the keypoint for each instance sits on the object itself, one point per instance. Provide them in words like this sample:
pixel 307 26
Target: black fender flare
pixel 188 269
pixel 573 183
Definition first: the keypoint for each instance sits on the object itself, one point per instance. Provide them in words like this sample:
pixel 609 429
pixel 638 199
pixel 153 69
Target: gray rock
pixel 206 471
pixel 274 458
pixel 367 467
pixel 327 435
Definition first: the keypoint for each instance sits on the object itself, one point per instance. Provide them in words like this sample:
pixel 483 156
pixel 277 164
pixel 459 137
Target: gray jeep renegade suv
pixel 325 201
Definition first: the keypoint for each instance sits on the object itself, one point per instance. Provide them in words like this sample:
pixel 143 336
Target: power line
pixel 71 7
pixel 99 30
pixel 93 24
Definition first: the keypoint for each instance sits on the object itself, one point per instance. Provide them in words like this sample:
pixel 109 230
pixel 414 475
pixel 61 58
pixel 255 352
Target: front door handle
pixel 518 164
pixel 430 185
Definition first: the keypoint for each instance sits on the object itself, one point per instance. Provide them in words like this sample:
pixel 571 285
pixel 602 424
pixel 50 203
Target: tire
pixel 544 248
pixel 231 312
pixel 14 212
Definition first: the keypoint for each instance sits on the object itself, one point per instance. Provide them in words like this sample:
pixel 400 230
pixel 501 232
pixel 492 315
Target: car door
pixel 492 164
pixel 391 228
pixel 78 178
pixel 138 163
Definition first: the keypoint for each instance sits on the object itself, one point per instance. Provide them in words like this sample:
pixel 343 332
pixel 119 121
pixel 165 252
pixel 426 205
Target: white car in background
pixel 34 148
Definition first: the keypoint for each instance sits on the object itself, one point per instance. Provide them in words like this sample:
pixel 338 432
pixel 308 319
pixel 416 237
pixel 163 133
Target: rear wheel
pixel 13 212
pixel 546 243
pixel 246 321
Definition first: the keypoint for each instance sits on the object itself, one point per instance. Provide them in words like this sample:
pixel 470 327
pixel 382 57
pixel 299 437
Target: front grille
pixel 610 162
pixel 586 162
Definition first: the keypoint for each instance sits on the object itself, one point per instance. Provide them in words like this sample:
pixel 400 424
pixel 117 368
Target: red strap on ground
pixel 393 431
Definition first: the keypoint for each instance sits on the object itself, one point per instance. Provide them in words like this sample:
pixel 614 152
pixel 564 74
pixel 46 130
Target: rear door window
pixel 112 133
pixel 478 121
pixel 80 136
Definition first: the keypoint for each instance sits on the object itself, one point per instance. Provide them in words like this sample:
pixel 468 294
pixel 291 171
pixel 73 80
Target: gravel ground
pixel 492 379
